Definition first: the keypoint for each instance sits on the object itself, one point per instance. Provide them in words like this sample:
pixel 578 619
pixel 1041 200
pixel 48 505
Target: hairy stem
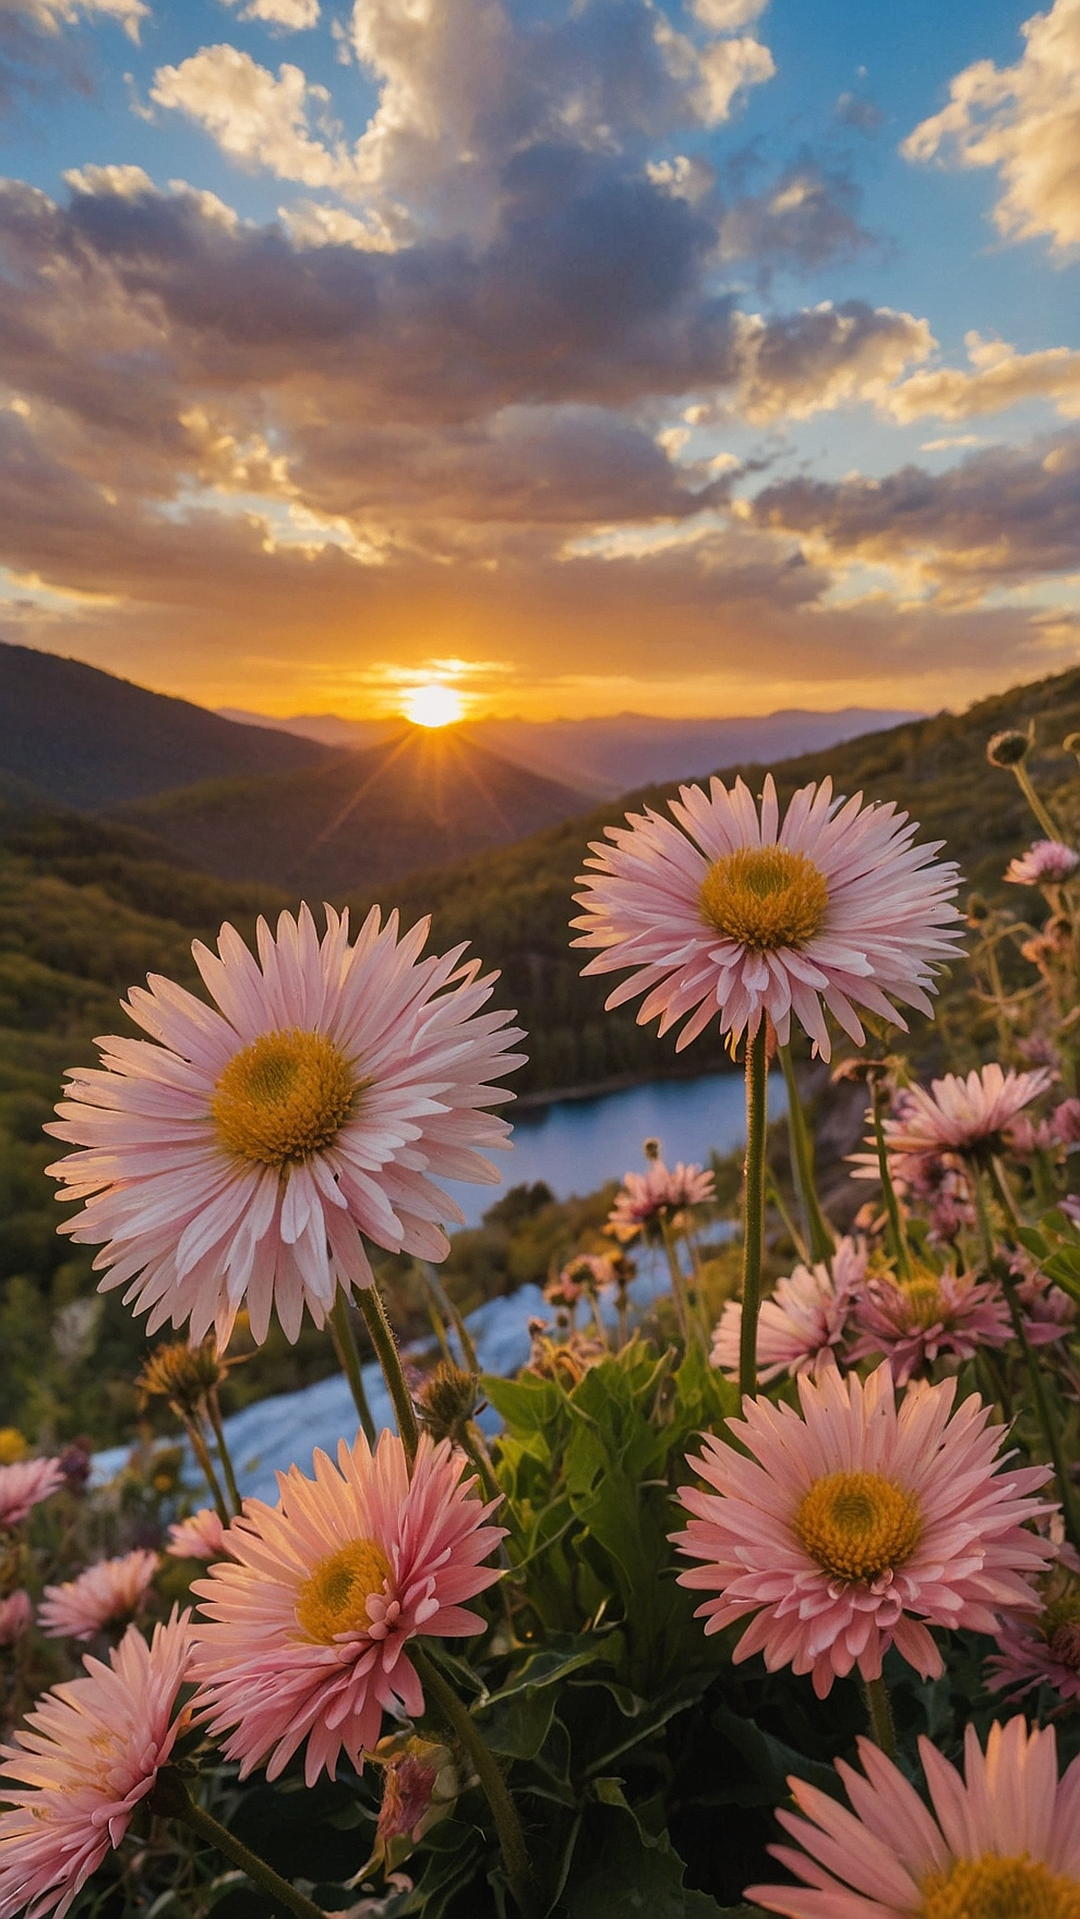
pixel 1038 807
pixel 382 1339
pixel 897 1234
pixel 507 1825
pixel 213 1408
pixel 822 1242
pixel 171 1798
pixel 757 1125
pixel 879 1709
pixel 202 1454
pixel 451 1315
pixel 678 1280
pixel 341 1332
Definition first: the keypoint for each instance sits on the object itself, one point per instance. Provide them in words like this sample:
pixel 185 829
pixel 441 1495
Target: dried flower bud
pixel 182 1375
pixel 447 1400
pixel 1009 748
pixel 421 1784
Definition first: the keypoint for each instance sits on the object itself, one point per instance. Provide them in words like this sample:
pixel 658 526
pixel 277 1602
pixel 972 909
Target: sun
pixel 434 705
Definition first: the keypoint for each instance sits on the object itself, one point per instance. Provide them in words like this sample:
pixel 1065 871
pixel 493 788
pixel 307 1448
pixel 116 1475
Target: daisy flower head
pixel 1045 864
pixel 308 1627
pixel 200 1537
pixel 646 1199
pixel 23 1484
pixel 1042 1648
pixel 90 1751
pixel 1001 1838
pixel 958 1115
pixel 729 911
pixel 915 1321
pixel 103 1596
pixel 860 1525
pixel 803 1323
pixel 240 1155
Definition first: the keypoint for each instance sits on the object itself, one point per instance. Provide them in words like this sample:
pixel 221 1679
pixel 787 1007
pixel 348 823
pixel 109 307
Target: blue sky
pixel 685 355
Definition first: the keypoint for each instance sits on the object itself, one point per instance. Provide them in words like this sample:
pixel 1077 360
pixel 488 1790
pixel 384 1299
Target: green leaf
pixel 620 1868
pixel 768 1762
pixel 1034 1242
pixel 515 1720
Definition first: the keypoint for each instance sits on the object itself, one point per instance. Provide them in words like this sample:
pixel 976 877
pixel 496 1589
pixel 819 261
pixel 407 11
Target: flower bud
pixel 447 1400
pixel 16 1616
pixel 181 1374
pixel 1008 749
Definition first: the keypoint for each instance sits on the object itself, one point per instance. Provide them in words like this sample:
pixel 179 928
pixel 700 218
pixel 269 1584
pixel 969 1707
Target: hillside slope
pixel 424 798
pixel 516 905
pixel 87 739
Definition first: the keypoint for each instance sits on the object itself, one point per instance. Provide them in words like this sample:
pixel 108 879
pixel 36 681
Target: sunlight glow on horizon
pixel 434 705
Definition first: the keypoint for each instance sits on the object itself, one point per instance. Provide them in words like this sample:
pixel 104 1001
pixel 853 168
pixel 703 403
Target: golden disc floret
pixel 765 897
pixel 1000 1887
pixel 334 1597
pixel 858 1525
pixel 284 1098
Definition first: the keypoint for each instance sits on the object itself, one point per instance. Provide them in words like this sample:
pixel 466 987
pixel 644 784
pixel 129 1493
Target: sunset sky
pixel 582 354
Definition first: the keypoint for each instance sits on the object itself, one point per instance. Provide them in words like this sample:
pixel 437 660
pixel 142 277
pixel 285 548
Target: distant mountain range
pixel 86 738
pixel 617 752
pixel 422 798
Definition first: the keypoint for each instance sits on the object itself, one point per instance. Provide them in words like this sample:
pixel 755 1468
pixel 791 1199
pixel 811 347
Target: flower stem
pixel 453 1317
pixel 892 1205
pixel 1038 808
pixel 757 1124
pixel 822 1244
pixel 508 1826
pixel 341 1332
pixel 882 1731
pixel 678 1280
pixel 171 1798
pixel 213 1408
pixel 385 1345
pixel 202 1454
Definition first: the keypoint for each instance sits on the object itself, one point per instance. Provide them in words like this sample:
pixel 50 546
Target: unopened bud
pixel 651 1148
pixel 447 1400
pixel 1009 748
pixel 181 1374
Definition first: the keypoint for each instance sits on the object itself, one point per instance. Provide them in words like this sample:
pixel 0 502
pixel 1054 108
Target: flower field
pixel 766 1600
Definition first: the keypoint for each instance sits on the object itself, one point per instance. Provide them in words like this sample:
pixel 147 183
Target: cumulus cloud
pixel 1002 517
pixel 999 377
pixel 1023 120
pixel 292 15
pixel 807 216
pixel 256 119
pixel 49 16
pixel 795 365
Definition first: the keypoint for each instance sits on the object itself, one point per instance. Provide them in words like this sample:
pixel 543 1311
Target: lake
pixel 575 1145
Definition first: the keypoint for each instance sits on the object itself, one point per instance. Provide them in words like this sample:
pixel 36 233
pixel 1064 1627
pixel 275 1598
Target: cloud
pixel 855 110
pixel 292 15
pixel 1002 517
pixel 256 119
pixel 1024 121
pixel 49 16
pixel 999 378
pixel 796 365
pixel 804 218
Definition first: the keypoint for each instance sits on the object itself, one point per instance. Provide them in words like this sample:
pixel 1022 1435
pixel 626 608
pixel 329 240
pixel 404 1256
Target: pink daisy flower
pixel 110 1592
pixel 731 912
pixel 803 1323
pixel 1003 1838
pixel 1045 864
pixel 245 1156
pixel 90 1751
pixel 308 1631
pixel 200 1537
pixel 16 1616
pixel 958 1115
pixel 23 1484
pixel 645 1199
pixel 1043 1647
pixel 860 1525
pixel 913 1322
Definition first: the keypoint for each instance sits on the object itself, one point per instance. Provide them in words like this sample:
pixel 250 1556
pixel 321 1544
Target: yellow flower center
pixel 765 897
pixel 1000 1887
pixel 284 1098
pixel 922 1302
pixel 858 1525
pixel 334 1597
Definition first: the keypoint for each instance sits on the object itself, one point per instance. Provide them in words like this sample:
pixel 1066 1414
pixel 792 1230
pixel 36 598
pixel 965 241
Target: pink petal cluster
pixel 646 1198
pixel 200 1537
pixel 968 1563
pixel 89 1752
pixel 913 1325
pixel 803 1324
pixel 192 1225
pixel 888 918
pixel 889 1856
pixel 16 1616
pixel 1045 864
pixel 106 1593
pixel 1048 1313
pixel 957 1114
pixel 23 1484
pixel 265 1676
